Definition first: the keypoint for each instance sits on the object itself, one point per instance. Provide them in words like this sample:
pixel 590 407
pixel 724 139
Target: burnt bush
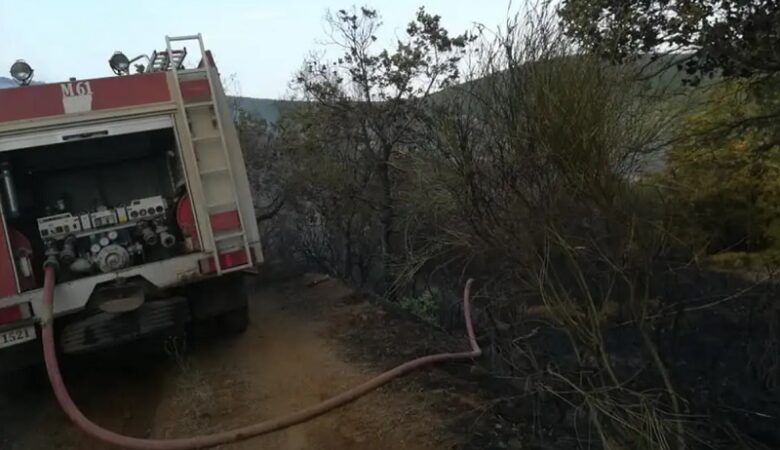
pixel 519 159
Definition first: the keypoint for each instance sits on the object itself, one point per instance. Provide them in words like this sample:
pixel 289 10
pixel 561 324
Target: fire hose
pixel 236 435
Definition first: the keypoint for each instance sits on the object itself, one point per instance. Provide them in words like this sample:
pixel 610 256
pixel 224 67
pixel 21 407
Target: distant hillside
pixel 662 74
pixel 263 108
pixel 6 82
pixel 270 110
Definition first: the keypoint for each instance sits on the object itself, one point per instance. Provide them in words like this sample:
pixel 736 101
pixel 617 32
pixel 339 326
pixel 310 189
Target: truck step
pixel 206 138
pixel 199 104
pixel 214 171
pixel 231 205
pixel 228 235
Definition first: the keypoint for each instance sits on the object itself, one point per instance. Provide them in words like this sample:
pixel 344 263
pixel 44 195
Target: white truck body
pixel 63 129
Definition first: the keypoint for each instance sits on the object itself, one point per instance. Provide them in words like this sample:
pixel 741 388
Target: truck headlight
pixel 22 72
pixel 119 63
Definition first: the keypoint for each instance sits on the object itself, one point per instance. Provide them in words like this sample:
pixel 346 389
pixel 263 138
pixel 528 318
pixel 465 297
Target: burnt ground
pixel 305 344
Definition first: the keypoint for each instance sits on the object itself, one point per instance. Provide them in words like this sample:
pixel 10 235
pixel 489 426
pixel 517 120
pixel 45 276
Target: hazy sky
pixel 262 43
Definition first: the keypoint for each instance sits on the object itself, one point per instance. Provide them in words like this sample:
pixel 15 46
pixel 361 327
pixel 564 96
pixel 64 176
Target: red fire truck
pixel 134 186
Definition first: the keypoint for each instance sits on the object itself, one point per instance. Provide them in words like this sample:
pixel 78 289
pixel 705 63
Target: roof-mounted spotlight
pixel 119 63
pixel 22 72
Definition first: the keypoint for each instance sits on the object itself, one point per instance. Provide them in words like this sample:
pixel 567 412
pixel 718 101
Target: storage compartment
pixel 95 202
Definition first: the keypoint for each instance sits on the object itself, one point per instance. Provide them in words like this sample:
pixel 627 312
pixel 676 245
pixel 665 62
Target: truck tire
pixel 235 322
pixel 220 306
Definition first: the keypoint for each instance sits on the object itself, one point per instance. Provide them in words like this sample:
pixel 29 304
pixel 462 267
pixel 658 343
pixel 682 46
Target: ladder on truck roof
pixel 232 251
pixel 167 60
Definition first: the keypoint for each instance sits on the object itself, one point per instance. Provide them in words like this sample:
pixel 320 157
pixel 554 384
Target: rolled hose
pixel 240 434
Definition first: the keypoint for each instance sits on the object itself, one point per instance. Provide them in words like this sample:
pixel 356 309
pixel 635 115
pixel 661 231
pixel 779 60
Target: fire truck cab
pixel 135 187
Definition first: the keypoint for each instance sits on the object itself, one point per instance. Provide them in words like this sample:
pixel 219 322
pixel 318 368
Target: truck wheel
pixel 234 322
pixel 220 307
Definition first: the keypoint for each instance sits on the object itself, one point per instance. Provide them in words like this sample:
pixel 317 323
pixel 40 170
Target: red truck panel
pixel 195 89
pixel 30 102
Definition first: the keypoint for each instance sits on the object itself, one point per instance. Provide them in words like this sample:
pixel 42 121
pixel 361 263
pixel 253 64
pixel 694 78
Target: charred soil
pixel 305 343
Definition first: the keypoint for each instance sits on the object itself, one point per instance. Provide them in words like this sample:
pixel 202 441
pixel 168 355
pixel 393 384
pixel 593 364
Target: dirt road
pixel 301 348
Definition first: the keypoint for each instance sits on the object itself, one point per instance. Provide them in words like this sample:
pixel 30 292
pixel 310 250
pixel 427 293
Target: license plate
pixel 17 336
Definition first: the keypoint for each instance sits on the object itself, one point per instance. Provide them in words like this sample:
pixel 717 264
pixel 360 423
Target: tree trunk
pixel 386 215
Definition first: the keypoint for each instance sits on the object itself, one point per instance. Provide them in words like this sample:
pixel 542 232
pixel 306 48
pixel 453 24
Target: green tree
pixel 723 162
pixel 737 37
pixel 727 182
